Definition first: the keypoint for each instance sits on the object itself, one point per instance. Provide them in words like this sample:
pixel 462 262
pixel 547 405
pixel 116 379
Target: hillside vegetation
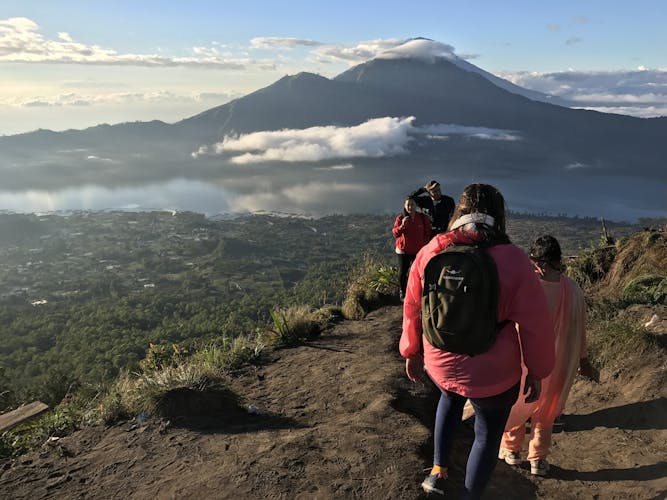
pixel 252 419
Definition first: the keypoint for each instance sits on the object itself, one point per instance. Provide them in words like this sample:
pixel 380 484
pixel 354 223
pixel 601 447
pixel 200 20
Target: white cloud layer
pixel 641 92
pixel 375 138
pixel 22 42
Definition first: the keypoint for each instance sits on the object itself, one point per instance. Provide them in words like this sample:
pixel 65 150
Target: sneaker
pixel 539 467
pixel 434 484
pixel 510 457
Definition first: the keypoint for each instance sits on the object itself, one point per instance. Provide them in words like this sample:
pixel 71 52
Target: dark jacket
pixel 439 213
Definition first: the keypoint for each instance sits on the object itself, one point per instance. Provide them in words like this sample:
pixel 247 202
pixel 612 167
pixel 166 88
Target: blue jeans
pixel 490 417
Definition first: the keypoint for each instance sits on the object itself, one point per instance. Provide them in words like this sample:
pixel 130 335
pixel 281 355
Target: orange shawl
pixel 569 318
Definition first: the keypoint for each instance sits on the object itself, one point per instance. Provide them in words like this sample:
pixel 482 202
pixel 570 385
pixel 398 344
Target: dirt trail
pixel 338 419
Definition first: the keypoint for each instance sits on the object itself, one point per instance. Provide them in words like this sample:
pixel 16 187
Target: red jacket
pixel 522 301
pixel 414 235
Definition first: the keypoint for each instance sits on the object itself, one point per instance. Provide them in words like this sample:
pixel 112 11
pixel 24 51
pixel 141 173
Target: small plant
pixel 293 324
pixel 368 286
pixel 384 280
pixel 159 356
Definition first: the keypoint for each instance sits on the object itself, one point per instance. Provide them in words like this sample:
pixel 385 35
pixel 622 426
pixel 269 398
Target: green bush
pixel 646 289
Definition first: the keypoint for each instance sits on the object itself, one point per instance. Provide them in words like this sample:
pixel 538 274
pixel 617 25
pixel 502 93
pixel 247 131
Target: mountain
pixel 420 80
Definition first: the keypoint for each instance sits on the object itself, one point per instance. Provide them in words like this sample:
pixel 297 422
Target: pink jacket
pixel 414 235
pixel 521 300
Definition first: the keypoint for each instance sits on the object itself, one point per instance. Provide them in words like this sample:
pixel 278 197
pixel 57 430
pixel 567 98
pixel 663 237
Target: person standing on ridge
pixel 491 378
pixel 437 206
pixel 568 311
pixel 412 231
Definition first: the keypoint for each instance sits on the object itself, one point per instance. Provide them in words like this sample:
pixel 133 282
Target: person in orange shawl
pixel 568 311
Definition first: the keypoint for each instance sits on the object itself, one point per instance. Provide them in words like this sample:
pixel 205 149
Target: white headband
pixel 476 218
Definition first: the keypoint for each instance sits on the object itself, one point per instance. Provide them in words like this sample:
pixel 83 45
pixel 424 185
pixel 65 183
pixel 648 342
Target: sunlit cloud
pixel 22 42
pixel 357 53
pixel 642 92
pixel 282 43
pixel 375 138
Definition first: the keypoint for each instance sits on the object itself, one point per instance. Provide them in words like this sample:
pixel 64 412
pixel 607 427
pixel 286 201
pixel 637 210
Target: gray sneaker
pixel 434 484
pixel 510 457
pixel 539 467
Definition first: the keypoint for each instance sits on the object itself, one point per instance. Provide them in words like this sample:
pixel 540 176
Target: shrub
pixel 646 289
pixel 591 265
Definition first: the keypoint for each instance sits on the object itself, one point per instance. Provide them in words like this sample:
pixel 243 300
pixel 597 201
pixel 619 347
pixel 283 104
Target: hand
pixel 414 367
pixel 585 368
pixel 532 388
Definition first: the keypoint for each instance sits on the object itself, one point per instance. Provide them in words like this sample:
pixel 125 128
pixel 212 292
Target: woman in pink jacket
pixel 412 231
pixel 491 379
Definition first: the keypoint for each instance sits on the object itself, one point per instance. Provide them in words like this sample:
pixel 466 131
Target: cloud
pixel 641 92
pixel 354 54
pixel 22 42
pixel 282 43
pixel 309 197
pixel 375 138
pixel 573 40
pixel 443 131
pixel 345 166
pixel 118 98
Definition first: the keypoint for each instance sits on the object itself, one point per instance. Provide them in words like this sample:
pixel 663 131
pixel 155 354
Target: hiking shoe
pixel 434 484
pixel 510 457
pixel 539 467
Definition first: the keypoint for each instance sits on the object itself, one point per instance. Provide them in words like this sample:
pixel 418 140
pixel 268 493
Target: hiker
pixel 568 311
pixel 437 206
pixel 491 379
pixel 412 231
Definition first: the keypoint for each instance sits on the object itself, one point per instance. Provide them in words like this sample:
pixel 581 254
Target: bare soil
pixel 337 418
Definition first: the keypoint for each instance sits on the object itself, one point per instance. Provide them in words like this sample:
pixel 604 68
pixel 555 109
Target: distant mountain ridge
pixel 591 151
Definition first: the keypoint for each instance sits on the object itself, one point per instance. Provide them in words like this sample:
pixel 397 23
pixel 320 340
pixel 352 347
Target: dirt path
pixel 338 419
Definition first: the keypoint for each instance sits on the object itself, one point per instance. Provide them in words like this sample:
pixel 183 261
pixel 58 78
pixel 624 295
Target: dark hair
pixel 546 250
pixel 486 199
pixel 405 212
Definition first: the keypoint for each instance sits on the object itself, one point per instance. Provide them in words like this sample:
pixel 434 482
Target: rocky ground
pixel 337 418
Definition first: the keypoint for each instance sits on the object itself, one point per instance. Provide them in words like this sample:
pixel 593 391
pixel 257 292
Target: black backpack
pixel 460 300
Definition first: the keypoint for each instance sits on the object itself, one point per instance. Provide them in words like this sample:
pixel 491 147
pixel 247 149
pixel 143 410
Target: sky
pixel 75 64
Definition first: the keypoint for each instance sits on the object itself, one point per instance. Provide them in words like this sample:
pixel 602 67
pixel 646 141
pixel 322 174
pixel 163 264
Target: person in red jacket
pixel 491 379
pixel 412 231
